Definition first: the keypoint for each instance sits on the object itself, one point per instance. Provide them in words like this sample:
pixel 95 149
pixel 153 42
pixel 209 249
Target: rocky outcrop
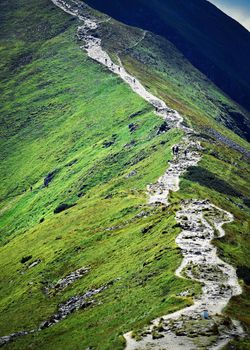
pixel 63 206
pixel 48 178
pixel 73 304
pixel 9 338
pixel 64 310
pixel 34 263
pixel 226 141
pixel 68 280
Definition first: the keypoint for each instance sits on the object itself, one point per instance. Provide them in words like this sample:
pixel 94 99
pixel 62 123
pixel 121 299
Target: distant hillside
pixel 212 41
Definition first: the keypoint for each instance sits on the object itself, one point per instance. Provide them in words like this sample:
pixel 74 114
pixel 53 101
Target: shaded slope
pixel 165 71
pixel 212 41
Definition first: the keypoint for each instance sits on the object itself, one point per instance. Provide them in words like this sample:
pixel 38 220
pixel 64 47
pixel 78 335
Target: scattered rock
pixel 130 144
pixel 72 162
pixel 147 229
pixel 132 173
pixel 142 214
pixel 194 250
pixel 163 128
pixel 25 259
pixel 7 339
pixel 108 144
pixel 80 194
pixel 133 115
pixel 132 127
pixel 108 196
pixel 226 141
pixel 50 177
pixel 62 207
pixel 34 263
pixel 186 293
pixel 71 278
pixel 157 335
pixel 73 304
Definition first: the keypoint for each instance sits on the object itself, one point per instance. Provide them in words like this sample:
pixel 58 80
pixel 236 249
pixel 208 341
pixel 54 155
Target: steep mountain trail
pixel 200 262
pixel 200 222
pixel 185 329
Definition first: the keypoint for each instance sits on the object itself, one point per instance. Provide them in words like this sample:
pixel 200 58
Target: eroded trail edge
pixel 200 221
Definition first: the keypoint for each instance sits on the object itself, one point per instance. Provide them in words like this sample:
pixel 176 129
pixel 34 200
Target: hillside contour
pixel 212 41
pixel 198 222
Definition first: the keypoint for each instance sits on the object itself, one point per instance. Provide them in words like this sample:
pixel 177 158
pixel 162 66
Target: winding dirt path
pixel 185 329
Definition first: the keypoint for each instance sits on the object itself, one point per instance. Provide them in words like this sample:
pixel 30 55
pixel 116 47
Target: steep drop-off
pixel 213 42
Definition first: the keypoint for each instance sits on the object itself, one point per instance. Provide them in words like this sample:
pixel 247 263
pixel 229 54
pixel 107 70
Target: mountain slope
pixel 154 59
pixel 66 115
pixel 212 41
pixel 63 112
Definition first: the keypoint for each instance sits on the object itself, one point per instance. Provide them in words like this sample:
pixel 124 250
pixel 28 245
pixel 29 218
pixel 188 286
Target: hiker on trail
pixel 119 68
pixel 205 315
pixel 175 150
pixel 106 61
pixel 185 153
pixel 134 80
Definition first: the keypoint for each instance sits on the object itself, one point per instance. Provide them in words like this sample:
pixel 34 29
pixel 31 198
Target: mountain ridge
pixel 212 41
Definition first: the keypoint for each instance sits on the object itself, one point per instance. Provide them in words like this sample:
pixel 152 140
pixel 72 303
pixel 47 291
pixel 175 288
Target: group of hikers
pixel 112 64
pixel 118 67
pixel 176 151
pixel 175 148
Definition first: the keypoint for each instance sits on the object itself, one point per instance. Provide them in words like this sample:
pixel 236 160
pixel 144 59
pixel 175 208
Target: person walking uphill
pixel 175 150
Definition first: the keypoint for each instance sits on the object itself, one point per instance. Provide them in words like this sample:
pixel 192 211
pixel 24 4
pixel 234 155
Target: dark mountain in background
pixel 212 41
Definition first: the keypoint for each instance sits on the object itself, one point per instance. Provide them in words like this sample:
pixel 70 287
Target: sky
pixel 238 9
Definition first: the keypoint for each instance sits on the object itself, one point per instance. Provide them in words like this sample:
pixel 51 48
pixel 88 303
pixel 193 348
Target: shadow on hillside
pixel 208 179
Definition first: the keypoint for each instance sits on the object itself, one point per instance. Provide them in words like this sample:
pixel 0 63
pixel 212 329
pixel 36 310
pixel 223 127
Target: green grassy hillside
pixel 65 116
pixel 223 174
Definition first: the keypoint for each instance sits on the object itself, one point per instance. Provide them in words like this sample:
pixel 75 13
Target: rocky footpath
pixel 201 325
pixel 170 180
pixel 159 192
